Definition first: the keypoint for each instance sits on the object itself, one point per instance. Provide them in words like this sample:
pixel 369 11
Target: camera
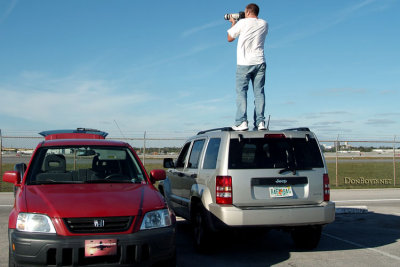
pixel 235 16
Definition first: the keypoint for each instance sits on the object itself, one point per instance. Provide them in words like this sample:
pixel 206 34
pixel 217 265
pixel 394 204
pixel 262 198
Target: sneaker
pixel 261 126
pixel 241 127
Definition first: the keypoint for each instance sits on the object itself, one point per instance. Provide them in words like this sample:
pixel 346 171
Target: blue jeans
pixel 255 73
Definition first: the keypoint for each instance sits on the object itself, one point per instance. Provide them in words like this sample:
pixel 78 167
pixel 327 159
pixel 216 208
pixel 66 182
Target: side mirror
pixel 168 163
pixel 13 177
pixel 157 175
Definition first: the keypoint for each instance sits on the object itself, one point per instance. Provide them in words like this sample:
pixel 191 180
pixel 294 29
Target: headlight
pixel 156 219
pixel 32 222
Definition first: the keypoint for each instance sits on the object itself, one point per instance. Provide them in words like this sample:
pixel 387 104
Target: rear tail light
pixel 223 188
pixel 327 189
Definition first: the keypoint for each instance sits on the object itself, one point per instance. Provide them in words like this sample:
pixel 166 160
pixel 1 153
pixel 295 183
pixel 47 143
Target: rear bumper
pixel 139 249
pixel 323 213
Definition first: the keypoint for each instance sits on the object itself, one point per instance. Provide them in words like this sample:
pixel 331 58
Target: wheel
pixel 307 237
pixel 201 231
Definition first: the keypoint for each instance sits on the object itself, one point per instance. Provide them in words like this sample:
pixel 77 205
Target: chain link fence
pixel 363 163
pixel 351 163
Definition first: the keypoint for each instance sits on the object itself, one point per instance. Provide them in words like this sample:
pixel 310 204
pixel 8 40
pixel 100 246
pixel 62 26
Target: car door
pixel 175 177
pixel 183 176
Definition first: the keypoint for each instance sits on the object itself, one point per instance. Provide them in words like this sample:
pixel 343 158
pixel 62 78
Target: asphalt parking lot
pixel 366 232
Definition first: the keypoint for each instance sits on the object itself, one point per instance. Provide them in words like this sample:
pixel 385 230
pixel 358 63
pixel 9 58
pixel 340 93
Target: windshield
pixel 85 164
pixel 275 153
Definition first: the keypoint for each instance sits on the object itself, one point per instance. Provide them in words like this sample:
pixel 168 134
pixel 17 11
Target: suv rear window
pixel 274 153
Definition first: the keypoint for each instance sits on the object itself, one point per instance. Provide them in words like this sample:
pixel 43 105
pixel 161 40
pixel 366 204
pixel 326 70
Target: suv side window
pixel 195 155
pixel 180 162
pixel 210 158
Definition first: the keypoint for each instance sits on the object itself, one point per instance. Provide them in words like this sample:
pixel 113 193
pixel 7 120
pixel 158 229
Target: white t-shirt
pixel 250 47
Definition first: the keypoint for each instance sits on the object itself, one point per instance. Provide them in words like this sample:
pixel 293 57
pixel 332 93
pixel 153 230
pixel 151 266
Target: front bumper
pixel 277 216
pixel 143 248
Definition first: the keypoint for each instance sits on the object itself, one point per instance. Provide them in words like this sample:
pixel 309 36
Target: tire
pixel 201 231
pixel 307 237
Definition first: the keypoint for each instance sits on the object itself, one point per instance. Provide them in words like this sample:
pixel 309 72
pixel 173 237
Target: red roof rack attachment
pixel 80 133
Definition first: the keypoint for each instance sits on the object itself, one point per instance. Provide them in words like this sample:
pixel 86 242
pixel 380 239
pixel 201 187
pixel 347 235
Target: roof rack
pixel 216 129
pixel 299 129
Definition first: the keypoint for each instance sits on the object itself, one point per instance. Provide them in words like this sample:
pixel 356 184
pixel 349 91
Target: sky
pixel 165 67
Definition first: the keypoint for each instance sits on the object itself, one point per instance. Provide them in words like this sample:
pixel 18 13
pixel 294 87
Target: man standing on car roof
pixel 250 65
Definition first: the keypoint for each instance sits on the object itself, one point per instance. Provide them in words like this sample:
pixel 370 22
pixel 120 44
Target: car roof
pixel 288 133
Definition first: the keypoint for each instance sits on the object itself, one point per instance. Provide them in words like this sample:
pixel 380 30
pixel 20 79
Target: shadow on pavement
pixel 262 248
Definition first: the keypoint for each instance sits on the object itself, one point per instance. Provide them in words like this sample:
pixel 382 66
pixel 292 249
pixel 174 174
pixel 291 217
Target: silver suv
pixel 274 179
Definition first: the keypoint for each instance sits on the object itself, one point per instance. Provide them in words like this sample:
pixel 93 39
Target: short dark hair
pixel 253 8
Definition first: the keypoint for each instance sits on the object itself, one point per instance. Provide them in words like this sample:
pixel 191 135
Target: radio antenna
pixel 269 118
pixel 119 129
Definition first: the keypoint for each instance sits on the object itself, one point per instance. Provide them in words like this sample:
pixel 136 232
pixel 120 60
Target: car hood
pixel 92 200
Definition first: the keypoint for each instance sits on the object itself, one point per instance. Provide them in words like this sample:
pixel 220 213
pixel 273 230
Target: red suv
pixel 85 200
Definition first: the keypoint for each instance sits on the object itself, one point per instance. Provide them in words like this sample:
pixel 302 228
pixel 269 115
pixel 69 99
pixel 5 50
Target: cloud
pixel 162 61
pixel 388 114
pixel 388 92
pixel 340 91
pixel 8 11
pixel 68 101
pixel 380 122
pixel 327 114
pixel 327 21
pixel 200 28
pixel 343 91
pixel 44 101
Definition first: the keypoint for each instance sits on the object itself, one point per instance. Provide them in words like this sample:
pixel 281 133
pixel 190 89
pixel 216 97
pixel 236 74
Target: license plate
pixel 100 247
pixel 281 191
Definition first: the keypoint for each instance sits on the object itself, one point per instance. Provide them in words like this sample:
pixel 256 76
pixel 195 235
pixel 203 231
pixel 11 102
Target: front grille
pixel 98 224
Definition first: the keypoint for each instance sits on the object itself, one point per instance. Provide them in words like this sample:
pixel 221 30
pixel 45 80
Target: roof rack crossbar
pixel 215 129
pixel 299 129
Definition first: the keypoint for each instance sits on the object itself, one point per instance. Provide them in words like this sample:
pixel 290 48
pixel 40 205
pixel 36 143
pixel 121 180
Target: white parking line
pixel 362 246
pixel 367 200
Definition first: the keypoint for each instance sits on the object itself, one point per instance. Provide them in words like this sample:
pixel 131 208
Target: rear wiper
pixel 291 163
pixel 287 169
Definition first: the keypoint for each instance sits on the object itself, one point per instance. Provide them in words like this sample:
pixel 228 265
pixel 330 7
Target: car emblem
pixel 279 181
pixel 98 223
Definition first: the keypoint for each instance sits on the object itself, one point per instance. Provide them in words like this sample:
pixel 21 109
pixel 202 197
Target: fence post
pixel 394 161
pixel 337 145
pixel 144 148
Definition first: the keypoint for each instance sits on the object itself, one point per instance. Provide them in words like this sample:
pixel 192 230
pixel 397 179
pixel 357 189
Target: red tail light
pixel 327 189
pixel 223 189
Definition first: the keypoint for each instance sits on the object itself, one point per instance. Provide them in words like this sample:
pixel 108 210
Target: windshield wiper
pixel 105 181
pixel 55 182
